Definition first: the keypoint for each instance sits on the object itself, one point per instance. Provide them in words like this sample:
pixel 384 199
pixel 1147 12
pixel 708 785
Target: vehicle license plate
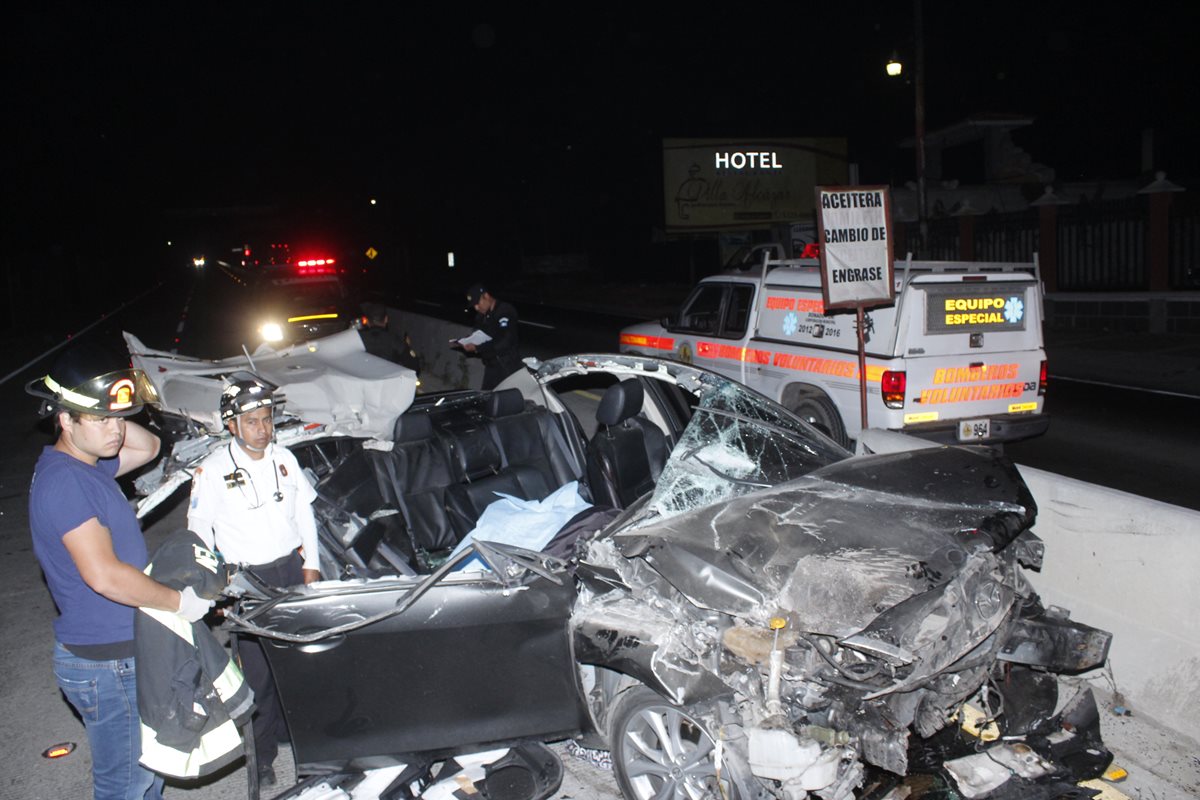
pixel 972 429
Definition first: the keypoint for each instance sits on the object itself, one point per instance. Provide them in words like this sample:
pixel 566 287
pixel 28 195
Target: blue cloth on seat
pixel 525 523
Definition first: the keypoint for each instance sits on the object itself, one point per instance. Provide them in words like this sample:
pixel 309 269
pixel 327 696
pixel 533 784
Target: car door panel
pixel 470 664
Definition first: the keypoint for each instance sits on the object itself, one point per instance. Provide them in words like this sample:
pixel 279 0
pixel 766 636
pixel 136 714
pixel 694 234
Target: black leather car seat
pixel 527 436
pixel 627 452
pixel 419 471
pixel 478 466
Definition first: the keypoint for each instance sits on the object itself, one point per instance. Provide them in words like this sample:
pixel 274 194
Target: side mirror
pixel 667 322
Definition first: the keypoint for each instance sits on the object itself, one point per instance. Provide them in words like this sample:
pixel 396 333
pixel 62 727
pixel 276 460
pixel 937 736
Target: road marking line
pixel 1123 386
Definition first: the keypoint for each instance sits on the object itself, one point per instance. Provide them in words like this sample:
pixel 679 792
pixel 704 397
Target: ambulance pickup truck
pixel 958 357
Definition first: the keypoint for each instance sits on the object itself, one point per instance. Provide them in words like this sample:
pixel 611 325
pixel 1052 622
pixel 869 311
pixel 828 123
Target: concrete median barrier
pixel 1129 565
pixel 442 367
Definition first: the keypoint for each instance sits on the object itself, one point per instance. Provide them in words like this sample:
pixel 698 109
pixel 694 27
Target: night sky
pixel 536 127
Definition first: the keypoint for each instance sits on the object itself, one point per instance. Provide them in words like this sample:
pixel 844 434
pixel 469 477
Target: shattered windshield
pixel 737 442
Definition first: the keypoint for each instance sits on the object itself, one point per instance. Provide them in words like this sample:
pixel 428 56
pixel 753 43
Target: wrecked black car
pixel 682 572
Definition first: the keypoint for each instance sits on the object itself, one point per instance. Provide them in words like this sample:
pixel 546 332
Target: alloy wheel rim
pixel 667 754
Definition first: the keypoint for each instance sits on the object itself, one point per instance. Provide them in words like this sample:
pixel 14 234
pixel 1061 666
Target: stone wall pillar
pixel 1047 206
pixel 1158 229
pixel 966 214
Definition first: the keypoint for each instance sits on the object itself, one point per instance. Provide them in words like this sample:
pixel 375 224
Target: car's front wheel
pixel 663 751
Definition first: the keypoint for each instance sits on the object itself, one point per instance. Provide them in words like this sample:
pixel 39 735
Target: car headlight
pixel 271 332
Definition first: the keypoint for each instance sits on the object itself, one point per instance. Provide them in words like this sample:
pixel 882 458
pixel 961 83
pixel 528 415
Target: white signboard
pixel 855 225
pixel 724 184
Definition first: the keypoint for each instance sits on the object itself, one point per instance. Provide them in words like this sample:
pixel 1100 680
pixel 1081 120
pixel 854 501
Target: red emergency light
pixel 316 266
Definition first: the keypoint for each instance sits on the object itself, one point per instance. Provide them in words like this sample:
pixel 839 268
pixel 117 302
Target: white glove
pixel 191 607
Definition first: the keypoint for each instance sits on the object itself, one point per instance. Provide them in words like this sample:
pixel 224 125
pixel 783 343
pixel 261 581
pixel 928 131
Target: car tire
pixel 820 412
pixel 663 750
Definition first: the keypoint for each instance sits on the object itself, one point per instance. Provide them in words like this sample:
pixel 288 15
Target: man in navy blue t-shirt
pixel 87 539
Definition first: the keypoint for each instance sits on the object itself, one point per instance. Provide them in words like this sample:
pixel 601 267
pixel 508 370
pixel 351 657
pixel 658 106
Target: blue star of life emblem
pixel 790 323
pixel 1014 309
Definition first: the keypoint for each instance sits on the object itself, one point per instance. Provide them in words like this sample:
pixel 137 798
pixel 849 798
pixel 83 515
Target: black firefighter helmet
pixel 247 392
pixel 89 379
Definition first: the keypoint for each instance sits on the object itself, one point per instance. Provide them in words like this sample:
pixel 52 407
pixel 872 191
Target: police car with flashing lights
pixel 302 300
pixel 958 357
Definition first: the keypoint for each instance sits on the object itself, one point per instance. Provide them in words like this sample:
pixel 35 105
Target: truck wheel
pixel 820 412
pixel 662 750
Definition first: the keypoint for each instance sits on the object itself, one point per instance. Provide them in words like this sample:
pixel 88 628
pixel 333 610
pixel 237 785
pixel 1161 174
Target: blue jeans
pixel 105 695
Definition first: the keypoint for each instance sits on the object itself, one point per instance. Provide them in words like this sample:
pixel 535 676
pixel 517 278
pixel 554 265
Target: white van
pixel 958 357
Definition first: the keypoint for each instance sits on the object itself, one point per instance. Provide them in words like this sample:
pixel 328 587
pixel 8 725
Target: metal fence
pixel 1101 246
pixel 1006 237
pixel 943 244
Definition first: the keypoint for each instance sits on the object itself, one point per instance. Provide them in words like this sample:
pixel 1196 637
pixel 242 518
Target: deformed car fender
pixel 661 651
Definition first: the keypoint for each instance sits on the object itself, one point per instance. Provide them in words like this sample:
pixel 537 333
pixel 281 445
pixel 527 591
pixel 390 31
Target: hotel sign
pixel 722 184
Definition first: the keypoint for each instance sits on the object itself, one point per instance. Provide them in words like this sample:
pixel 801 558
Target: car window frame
pixel 702 288
pixel 721 330
pixel 733 288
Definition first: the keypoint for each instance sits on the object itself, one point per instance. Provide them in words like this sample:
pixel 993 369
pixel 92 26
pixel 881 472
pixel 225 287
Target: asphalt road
pixel 1140 442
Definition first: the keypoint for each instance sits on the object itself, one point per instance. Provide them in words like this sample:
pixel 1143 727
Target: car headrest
pixel 474 452
pixel 412 428
pixel 505 403
pixel 620 402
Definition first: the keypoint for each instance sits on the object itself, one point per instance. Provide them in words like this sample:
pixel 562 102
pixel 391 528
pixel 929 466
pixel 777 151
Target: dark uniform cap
pixel 88 379
pixel 475 292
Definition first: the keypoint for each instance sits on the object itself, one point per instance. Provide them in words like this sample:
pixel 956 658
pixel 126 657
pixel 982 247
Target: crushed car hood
pixel 331 381
pixel 837 547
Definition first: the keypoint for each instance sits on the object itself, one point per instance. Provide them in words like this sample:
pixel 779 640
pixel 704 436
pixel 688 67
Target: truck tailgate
pixel 971 390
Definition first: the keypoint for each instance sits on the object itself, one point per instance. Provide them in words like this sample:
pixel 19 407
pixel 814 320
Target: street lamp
pixel 894 69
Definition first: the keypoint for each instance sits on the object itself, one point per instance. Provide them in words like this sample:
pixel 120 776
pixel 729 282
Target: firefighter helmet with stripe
pixel 89 379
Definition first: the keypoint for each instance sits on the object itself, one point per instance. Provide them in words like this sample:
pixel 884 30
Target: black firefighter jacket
pixel 191 694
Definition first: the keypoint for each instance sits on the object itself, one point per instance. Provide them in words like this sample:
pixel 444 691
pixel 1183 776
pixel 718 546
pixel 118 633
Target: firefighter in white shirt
pixel 253 504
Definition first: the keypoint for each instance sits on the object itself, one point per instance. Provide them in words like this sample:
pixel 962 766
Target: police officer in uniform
pixel 251 502
pixel 498 319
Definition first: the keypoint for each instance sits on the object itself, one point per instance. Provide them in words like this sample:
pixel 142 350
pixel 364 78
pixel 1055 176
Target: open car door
pixel 391 670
